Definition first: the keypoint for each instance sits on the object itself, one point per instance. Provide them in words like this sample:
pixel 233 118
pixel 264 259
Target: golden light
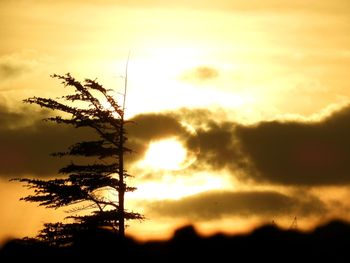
pixel 178 186
pixel 166 154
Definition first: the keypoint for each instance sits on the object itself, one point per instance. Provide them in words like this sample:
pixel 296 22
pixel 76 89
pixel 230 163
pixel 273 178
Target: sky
pixel 240 108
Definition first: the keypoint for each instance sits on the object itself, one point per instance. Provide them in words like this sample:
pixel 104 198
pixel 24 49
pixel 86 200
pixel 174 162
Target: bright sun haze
pixel 165 154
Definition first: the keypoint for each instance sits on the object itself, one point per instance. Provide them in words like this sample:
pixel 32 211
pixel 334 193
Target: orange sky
pixel 214 72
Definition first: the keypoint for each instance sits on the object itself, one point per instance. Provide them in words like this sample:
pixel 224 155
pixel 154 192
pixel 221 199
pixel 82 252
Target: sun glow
pixel 179 186
pixel 166 154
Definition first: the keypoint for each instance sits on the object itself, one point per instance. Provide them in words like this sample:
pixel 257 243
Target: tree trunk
pixel 121 180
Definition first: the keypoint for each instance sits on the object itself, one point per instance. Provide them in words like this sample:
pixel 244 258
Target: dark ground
pixel 327 243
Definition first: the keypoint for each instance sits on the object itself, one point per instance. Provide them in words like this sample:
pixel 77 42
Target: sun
pixel 165 154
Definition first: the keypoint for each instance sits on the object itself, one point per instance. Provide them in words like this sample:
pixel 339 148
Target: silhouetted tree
pixel 84 186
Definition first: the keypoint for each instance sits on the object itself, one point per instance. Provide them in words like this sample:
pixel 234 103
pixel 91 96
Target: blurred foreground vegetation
pixel 326 243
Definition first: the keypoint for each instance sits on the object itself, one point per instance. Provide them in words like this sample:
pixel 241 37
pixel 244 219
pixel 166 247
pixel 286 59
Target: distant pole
pixel 294 225
pixel 122 186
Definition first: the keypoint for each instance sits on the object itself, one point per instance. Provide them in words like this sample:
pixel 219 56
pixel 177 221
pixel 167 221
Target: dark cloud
pixel 214 143
pixel 26 141
pixel 279 152
pixel 217 204
pixel 299 153
pixel 154 126
pixel 217 145
pixel 25 147
pixel 145 128
pixel 201 73
pixel 275 152
pixel 10 119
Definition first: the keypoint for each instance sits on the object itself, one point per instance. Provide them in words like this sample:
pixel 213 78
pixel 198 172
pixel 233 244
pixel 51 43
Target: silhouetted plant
pixel 84 185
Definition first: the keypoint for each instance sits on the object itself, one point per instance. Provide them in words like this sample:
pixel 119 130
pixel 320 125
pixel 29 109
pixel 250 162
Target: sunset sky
pixel 240 107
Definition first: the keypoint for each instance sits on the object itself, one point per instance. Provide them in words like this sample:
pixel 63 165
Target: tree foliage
pixel 88 186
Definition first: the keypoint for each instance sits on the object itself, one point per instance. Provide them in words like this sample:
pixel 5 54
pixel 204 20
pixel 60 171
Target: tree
pixel 84 185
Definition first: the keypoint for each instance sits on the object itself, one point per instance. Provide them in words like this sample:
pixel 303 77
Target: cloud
pixel 201 73
pixel 299 153
pixel 305 153
pixel 10 70
pixel 212 142
pixel 155 126
pixel 295 153
pixel 146 128
pixel 26 143
pixel 218 204
pixel 217 145
pixel 290 152
pixel 16 64
pixel 10 119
